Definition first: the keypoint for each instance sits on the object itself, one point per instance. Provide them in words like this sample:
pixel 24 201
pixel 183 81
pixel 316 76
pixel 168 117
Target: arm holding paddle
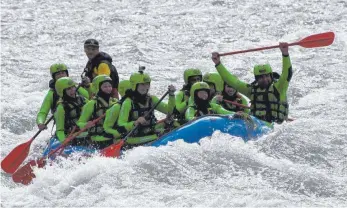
pixel 44 110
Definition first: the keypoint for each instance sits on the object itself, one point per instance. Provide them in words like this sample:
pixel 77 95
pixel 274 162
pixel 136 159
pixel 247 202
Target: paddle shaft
pixel 150 111
pixel 69 138
pixel 236 104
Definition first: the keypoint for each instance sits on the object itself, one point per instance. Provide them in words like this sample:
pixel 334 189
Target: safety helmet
pixel 139 78
pixel 58 68
pixel 63 83
pixel 98 80
pixel 91 43
pixel 191 73
pixel 199 86
pixel 262 69
pixel 123 86
pixel 216 79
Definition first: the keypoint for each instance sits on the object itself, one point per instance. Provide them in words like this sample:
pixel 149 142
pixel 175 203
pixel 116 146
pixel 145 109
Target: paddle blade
pixel 318 40
pixel 25 174
pixel 16 157
pixel 112 150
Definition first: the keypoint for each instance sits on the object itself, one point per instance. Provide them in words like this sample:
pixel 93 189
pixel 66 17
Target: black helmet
pixel 91 42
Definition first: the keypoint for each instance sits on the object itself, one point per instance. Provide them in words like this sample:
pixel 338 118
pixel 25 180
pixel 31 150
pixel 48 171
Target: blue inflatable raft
pixel 192 132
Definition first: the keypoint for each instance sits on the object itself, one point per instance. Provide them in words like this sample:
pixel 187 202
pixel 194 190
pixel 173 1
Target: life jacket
pixel 199 113
pixel 266 104
pixel 102 57
pixel 231 107
pixel 72 112
pixel 138 110
pixel 100 108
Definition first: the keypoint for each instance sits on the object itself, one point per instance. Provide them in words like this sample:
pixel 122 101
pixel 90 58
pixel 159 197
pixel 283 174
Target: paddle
pixel 114 149
pixel 236 104
pixel 16 157
pixel 312 41
pixel 25 174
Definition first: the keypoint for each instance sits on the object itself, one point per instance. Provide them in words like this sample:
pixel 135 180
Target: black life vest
pixel 102 57
pixel 266 104
pixel 72 112
pixel 138 110
pixel 100 108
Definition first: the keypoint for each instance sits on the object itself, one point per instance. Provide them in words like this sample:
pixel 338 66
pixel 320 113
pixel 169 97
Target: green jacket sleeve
pixel 245 102
pixel 45 108
pixel 84 92
pixel 59 117
pixel 283 82
pixel 111 118
pixel 233 81
pixel 86 114
pixel 166 108
pixel 180 102
pixel 190 113
pixel 218 109
pixel 214 100
pixel 124 112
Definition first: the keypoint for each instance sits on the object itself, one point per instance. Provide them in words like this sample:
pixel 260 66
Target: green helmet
pixel 98 80
pixel 139 78
pixel 216 79
pixel 191 73
pixel 262 69
pixel 123 87
pixel 63 83
pixel 57 68
pixel 198 86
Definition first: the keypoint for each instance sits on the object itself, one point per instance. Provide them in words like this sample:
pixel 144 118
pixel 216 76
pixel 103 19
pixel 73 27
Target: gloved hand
pixel 172 90
pixel 219 98
pixel 85 82
pixel 41 126
pixel 141 120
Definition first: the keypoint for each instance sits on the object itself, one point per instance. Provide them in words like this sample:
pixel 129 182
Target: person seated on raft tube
pixel 134 109
pixel 68 111
pixel 110 124
pixel 268 97
pixel 215 81
pixel 199 102
pixel 95 108
pixel 190 76
pixel 57 71
pixel 230 94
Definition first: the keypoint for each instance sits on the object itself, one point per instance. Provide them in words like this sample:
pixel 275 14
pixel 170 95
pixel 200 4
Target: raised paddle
pixel 25 174
pixel 114 149
pixel 16 157
pixel 312 41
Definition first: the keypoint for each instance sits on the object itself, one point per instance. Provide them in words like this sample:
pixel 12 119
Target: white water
pixel 302 163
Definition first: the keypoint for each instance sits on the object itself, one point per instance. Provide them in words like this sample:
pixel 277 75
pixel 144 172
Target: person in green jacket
pixel 215 81
pixel 68 111
pixel 190 76
pixel 230 94
pixel 111 128
pixel 95 108
pixel 49 103
pixel 134 110
pixel 200 103
pixel 268 96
